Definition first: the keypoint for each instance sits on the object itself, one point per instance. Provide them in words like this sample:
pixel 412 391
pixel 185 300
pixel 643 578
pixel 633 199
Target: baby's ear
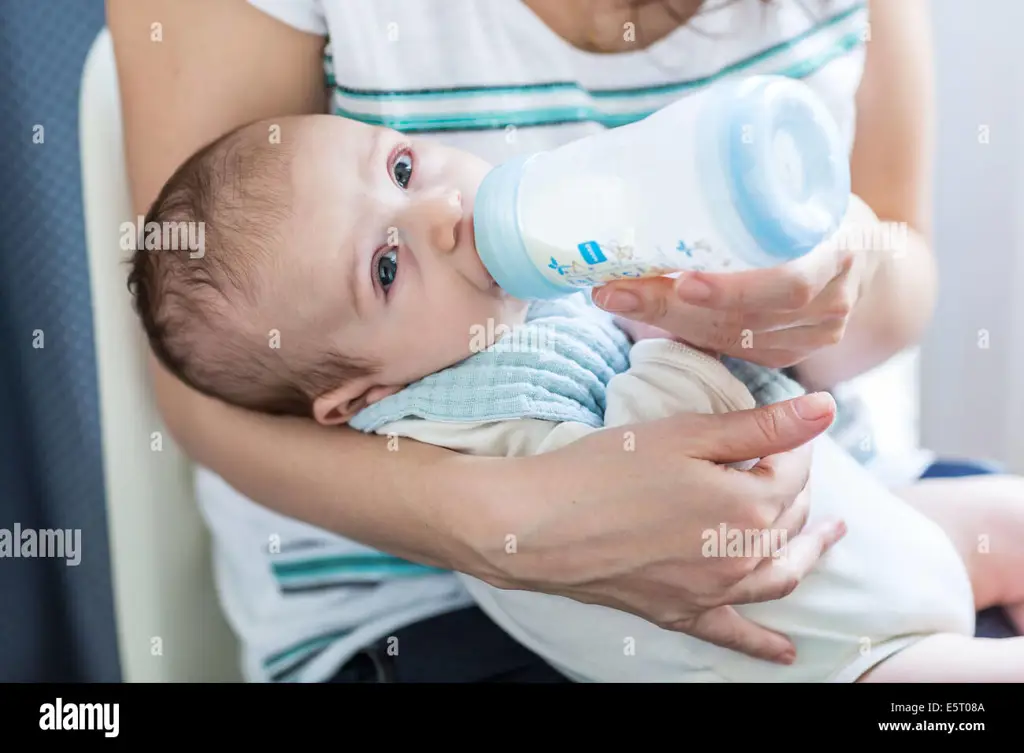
pixel 340 405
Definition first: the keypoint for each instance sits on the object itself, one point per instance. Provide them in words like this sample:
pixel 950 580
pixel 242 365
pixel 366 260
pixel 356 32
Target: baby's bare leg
pixel 984 517
pixel 953 658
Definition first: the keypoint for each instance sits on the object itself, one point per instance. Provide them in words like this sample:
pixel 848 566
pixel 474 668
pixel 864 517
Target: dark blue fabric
pixel 958 468
pixel 992 623
pixel 464 646
pixel 56 621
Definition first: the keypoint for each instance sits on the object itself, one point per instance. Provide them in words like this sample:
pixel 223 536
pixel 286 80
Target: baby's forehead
pixel 336 165
pixel 330 206
pixel 317 132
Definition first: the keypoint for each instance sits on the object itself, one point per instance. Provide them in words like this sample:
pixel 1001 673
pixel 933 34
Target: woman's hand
pixel 774 317
pixel 627 529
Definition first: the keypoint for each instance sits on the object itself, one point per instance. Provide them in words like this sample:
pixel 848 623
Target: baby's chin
pixel 497 326
pixel 513 311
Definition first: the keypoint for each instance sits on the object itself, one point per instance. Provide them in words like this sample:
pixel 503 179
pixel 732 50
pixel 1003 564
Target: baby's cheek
pixel 482 324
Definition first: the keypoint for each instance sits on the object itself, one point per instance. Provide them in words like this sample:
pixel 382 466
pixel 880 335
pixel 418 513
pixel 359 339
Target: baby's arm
pixel 668 377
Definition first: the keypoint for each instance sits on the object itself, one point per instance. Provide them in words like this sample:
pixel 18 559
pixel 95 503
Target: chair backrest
pixel 170 625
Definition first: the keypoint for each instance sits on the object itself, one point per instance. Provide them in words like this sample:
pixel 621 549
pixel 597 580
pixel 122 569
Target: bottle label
pixel 584 229
pixel 595 263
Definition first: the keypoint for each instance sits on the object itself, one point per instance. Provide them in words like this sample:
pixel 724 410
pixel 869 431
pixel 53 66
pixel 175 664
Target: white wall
pixel 968 400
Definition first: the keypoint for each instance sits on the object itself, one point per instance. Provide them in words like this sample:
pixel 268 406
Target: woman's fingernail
pixel 692 289
pixel 618 301
pixel 814 406
pixel 788 656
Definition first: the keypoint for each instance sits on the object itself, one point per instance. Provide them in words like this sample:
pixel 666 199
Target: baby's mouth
pixel 465 229
pixel 493 288
pixel 493 285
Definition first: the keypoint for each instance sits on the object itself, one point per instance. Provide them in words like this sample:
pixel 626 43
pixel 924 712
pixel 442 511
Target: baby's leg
pixel 953 658
pixel 984 517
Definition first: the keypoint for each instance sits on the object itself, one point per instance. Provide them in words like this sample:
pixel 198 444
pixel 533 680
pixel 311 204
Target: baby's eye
pixel 401 169
pixel 387 268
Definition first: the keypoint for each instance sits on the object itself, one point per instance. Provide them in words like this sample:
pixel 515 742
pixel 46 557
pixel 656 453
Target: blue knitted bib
pixel 556 367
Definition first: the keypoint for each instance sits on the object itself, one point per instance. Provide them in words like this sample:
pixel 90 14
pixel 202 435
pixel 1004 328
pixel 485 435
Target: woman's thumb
pixel 768 430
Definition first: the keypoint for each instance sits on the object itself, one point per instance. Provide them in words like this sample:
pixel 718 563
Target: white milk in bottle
pixel 745 174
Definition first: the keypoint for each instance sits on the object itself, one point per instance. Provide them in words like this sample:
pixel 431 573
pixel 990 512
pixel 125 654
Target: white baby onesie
pixel 893 579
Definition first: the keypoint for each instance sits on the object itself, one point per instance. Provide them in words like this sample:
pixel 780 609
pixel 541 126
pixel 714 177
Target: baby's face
pixel 380 258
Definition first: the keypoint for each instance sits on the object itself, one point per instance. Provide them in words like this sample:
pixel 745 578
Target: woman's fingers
pixel 805 338
pixel 791 521
pixel 788 287
pixel 740 332
pixel 778 576
pixel 653 301
pixel 761 432
pixel 725 627
pixel 646 300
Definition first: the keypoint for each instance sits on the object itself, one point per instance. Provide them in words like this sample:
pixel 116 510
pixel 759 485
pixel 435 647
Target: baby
pixel 339 281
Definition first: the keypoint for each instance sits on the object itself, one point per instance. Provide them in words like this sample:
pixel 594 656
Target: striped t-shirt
pixel 490 77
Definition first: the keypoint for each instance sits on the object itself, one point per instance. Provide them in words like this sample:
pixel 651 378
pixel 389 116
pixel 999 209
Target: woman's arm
pixel 212 67
pixel 891 170
pixel 206 69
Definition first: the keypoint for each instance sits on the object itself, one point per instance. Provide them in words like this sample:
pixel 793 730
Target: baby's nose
pixel 439 217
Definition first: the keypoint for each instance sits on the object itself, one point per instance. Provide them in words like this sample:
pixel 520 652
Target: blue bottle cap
pixel 785 169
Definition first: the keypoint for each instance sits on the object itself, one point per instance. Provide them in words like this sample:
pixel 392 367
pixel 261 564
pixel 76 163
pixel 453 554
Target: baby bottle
pixel 744 174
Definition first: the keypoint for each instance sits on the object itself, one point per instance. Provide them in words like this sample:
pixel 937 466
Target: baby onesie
pixel 569 371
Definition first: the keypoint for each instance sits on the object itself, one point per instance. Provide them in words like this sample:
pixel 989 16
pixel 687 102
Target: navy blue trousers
pixel 466 646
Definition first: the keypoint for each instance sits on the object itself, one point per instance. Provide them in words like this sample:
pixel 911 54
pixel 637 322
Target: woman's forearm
pixel 399 496
pixel 176 95
pixel 892 171
pixel 894 310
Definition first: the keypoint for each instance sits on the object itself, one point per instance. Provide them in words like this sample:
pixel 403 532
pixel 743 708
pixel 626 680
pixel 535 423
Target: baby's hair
pixel 197 309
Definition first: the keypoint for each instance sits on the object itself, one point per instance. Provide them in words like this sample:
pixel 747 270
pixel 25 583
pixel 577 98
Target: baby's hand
pixel 638 331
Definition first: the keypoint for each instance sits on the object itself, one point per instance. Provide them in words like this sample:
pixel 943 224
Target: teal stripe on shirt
pixel 295 655
pixel 498 119
pixel 571 86
pixel 361 565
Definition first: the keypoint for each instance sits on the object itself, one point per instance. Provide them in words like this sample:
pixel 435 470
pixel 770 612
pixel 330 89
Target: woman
pixel 502 78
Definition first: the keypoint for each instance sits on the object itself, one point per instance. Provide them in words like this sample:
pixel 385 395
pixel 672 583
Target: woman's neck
pixel 602 26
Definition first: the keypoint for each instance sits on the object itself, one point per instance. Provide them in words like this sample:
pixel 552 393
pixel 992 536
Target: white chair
pixel 170 624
